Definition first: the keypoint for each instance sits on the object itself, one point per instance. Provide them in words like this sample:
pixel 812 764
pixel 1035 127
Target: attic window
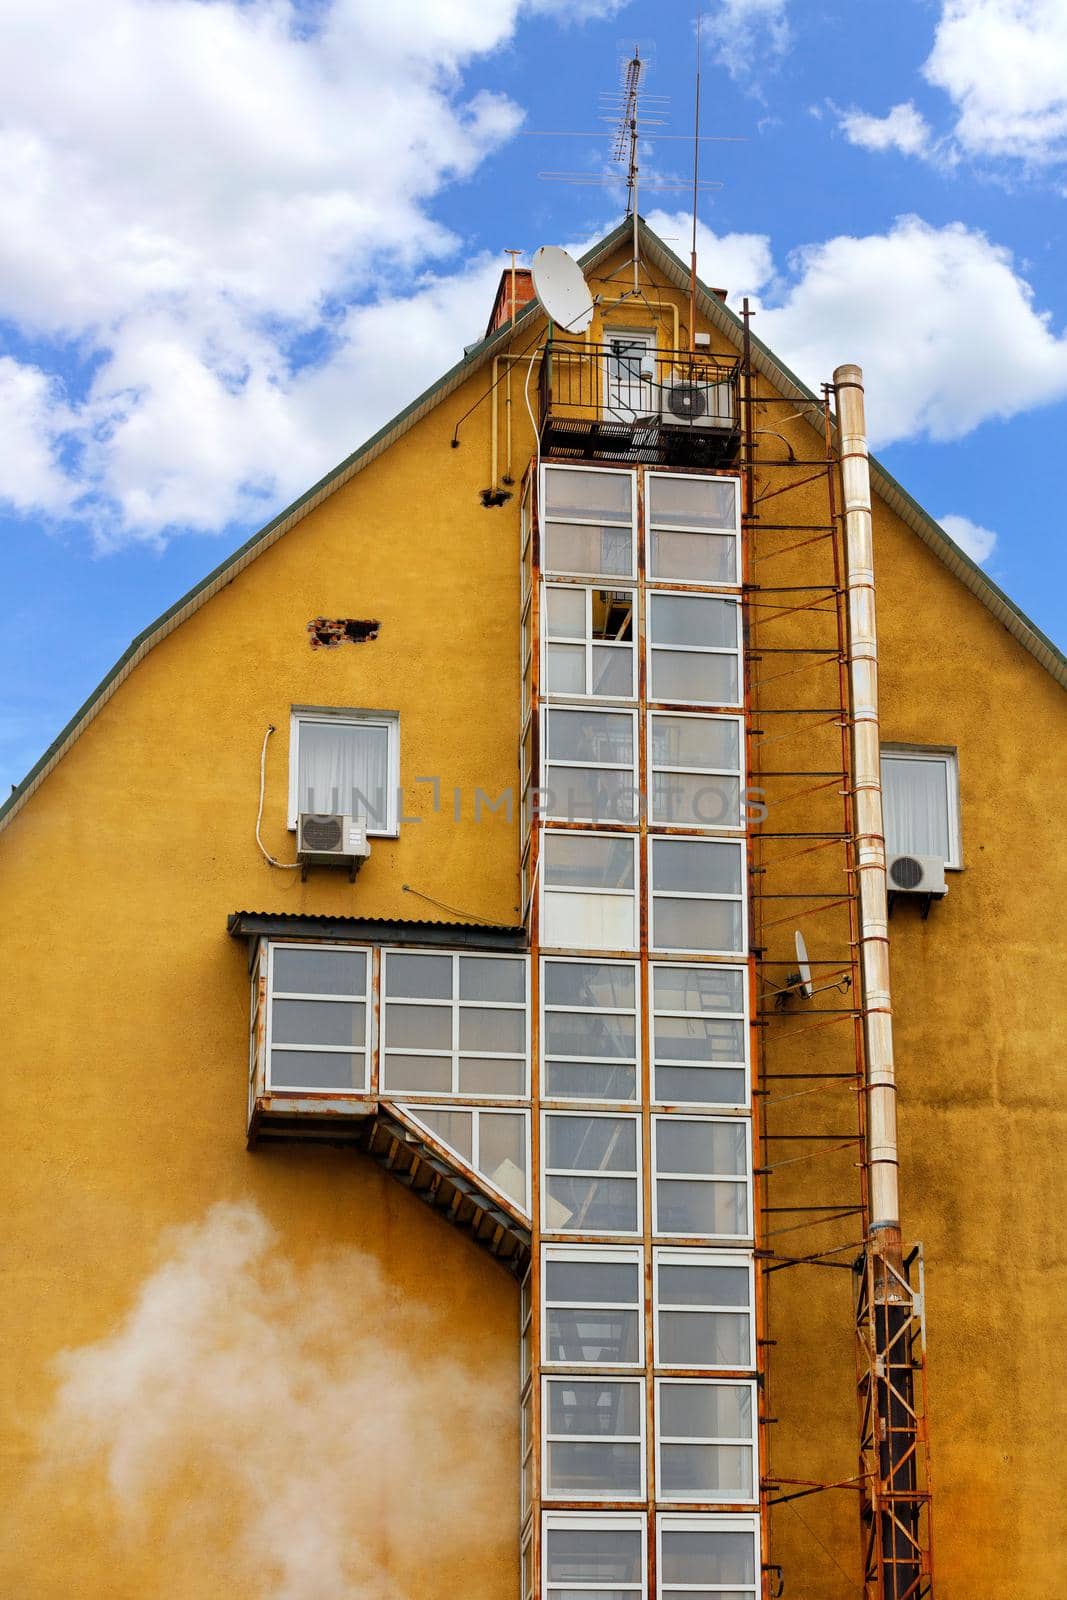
pixel 326 633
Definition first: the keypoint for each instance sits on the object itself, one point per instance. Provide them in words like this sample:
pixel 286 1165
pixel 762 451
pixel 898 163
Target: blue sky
pixel 218 214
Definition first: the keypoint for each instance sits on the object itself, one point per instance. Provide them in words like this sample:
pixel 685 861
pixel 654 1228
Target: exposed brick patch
pixel 328 632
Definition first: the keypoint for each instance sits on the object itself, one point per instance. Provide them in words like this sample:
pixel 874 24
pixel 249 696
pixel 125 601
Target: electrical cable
pixel 286 866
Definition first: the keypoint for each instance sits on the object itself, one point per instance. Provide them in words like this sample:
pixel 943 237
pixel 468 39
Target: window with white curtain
pixel 345 762
pixel 920 798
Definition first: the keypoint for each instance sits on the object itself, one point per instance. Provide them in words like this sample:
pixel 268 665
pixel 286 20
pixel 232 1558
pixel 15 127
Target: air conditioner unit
pixel 697 403
pixel 912 874
pixel 326 839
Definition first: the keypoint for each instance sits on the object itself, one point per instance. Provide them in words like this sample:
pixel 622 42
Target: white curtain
pixel 344 767
pixel 915 799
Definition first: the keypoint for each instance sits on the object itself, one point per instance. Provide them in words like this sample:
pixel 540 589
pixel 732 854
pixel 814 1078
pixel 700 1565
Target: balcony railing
pixel 620 403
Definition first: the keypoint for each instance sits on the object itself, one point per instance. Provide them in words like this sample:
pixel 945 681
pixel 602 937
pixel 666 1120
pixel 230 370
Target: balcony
pixel 626 401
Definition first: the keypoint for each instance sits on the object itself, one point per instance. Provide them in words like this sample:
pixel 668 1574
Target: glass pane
pixel 590 794
pixel 586 1080
pixel 565 669
pixel 696 800
pixel 704 1339
pixel 491 1076
pixel 593 1555
pixel 590 1205
pixel 702 1086
pixel 454 1128
pixel 589 983
pixel 613 671
pixel 309 1069
pixel 502 1152
pixel 418 1027
pixel 483 1028
pixel 588 550
pixel 696 620
pixel 490 978
pixel 593 1144
pixel 689 1283
pixel 417 1074
pixel 594 1406
pixel 612 1470
pixel 693 502
pixel 586 1282
pixel 916 805
pixel 316 971
pixel 695 742
pixel 699 1039
pixel 694 677
pixel 694 557
pixel 587 1033
pixel 419 977
pixel 583 862
pixel 706 1147
pixel 697 988
pixel 565 613
pixel 344 767
pixel 591 737
pixel 695 866
pixel 690 1208
pixel 707 1555
pixel 314 1022
pixel 704 1471
pixel 588 494
pixel 604 1338
pixel 697 925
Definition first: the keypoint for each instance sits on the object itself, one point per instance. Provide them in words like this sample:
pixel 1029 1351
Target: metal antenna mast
pixel 626 138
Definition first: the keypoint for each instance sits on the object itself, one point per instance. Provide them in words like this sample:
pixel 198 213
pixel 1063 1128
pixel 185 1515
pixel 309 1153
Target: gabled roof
pixel 714 312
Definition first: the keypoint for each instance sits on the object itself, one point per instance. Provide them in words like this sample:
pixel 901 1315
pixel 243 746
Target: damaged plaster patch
pixel 328 632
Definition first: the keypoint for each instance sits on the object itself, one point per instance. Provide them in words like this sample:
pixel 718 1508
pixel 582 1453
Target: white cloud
pixel 975 541
pixel 1004 65
pixel 741 263
pixel 267 1408
pixel 748 36
pixel 903 128
pixel 33 418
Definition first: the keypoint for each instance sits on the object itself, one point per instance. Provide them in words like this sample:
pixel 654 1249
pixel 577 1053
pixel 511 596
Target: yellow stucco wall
pixel 125 1007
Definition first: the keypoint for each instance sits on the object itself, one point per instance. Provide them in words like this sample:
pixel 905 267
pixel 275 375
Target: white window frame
pixel 599 580
pixel 593 1173
pixel 738 772
pixel 947 757
pixel 527 1446
pixel 734 650
pixel 593 1011
pixel 625 1521
pixel 665 1255
pixel 549 766
pixel 417 1112
pixel 457 1006
pixel 587 643
pixel 631 894
pixel 656 1061
pixel 327 999
pixel 655 894
pixel 744 1178
pixel 644 387
pixel 526 1312
pixel 673 1439
pixel 549 1438
pixel 683 527
pixel 351 716
pixel 629 1255
pixel 697 1523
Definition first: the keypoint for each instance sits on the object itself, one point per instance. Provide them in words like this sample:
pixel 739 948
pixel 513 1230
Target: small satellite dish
pixel 562 289
pixel 803 982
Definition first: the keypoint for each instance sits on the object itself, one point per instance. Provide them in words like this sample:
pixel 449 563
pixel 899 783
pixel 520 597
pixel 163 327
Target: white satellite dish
pixel 562 289
pixel 803 978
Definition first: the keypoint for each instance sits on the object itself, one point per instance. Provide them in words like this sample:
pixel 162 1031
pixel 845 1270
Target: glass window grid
pixel 592 1011
pixel 526 1451
pixel 583 1521
pixel 363 1050
pixel 346 717
pixel 702 1258
pixel 550 1438
pixel 591 1172
pixel 585 1253
pixel 654 894
pixel 577 889
pixel 668 1522
pixel 606 580
pixel 587 643
pixel 474 1162
pixel 700 1440
pixel 659 1060
pixel 949 760
pixel 688 527
pixel 457 1006
pixel 556 785
pixel 734 1178
pixel 734 650
pixel 658 768
pixel 525 1331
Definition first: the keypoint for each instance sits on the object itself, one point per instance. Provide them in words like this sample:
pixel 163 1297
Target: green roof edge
pixel 475 354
